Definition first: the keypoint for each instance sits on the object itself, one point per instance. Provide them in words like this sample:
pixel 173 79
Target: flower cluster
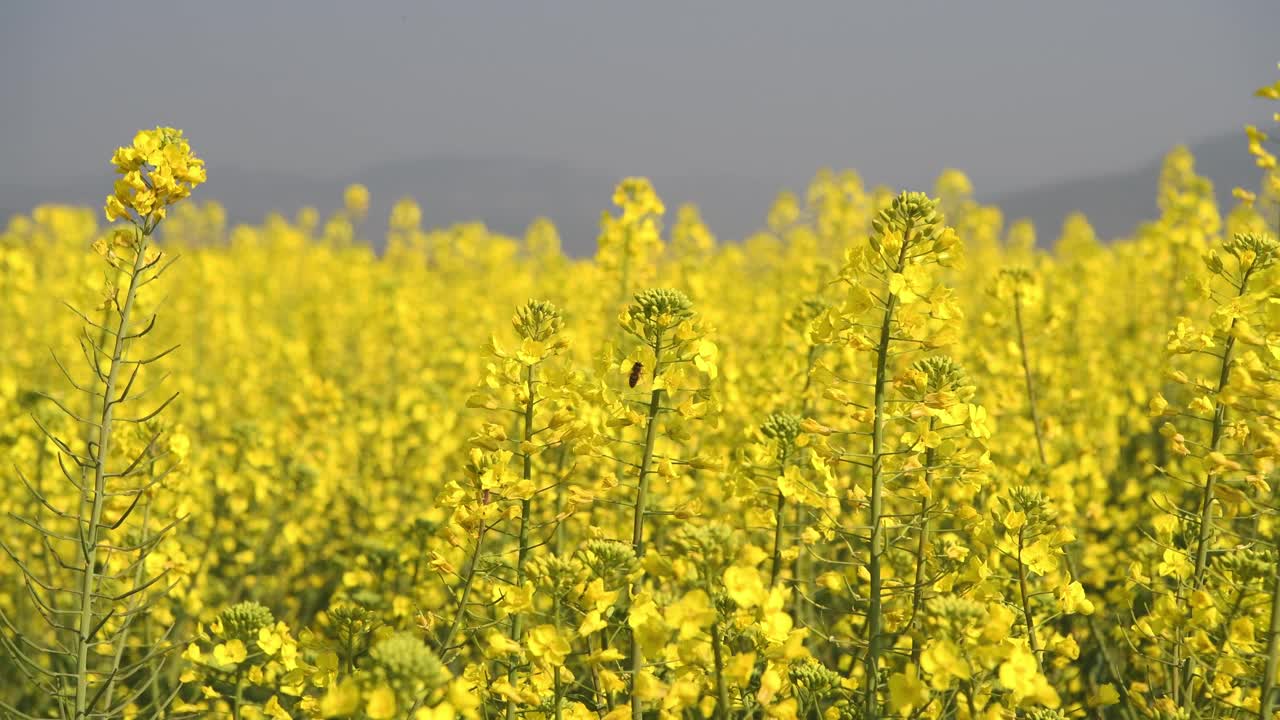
pixel 156 171
pixel 829 471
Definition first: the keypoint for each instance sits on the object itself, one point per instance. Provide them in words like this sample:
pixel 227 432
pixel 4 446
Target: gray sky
pixel 1015 93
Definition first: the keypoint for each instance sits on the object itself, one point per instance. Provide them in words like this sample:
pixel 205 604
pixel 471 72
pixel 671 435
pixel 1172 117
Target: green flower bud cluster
pixel 611 561
pixel 1036 509
pixel 538 320
pixel 959 613
pixel 913 210
pixel 351 628
pixel 1255 252
pixel 799 317
pixel 408 663
pixel 1016 276
pixel 657 310
pixel 813 681
pixel 1247 565
pixel 242 621
pixel 917 232
pixel 783 429
pixel 710 548
pixel 1044 713
pixel 556 576
pixel 942 374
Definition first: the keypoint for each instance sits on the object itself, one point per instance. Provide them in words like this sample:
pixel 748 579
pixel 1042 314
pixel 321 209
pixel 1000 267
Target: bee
pixel 636 369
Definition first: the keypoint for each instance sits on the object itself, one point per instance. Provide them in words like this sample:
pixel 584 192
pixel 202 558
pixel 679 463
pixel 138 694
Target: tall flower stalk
pixel 1220 437
pixel 91 613
pixel 520 382
pixel 672 341
pixel 538 324
pixel 1020 287
pixel 884 276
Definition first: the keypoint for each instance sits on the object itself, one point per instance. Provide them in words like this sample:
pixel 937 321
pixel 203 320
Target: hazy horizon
pixel 1017 95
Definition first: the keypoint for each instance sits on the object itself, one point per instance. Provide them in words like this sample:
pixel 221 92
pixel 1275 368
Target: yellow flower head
pixel 157 170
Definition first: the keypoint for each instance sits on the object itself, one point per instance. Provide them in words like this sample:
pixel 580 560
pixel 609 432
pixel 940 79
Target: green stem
pixel 558 543
pixel 90 540
pixel 642 491
pixel 238 699
pixel 526 511
pixel 139 576
pixel 1205 535
pixel 637 528
pixel 1026 374
pixel 1268 698
pixel 601 698
pixel 722 690
pixel 798 577
pixel 1219 423
pixel 876 510
pixel 1026 598
pixel 776 567
pixel 922 547
pixel 468 580
pixel 1095 628
pixel 559 686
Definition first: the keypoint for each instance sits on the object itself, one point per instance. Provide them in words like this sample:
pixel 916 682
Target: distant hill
pixel 1117 203
pixel 508 192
